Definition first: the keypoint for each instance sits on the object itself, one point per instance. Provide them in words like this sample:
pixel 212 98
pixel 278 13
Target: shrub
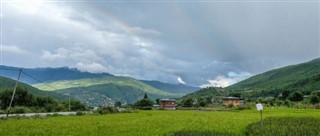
pixel 230 105
pixel 19 109
pixel 55 115
pixel 106 110
pixel 79 113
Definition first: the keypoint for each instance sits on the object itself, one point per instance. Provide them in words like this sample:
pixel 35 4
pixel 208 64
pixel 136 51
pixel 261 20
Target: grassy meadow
pixel 147 123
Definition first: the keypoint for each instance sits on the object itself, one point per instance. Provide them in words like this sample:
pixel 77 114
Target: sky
pixel 197 43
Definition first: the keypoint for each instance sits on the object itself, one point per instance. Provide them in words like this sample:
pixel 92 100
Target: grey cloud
pixel 197 42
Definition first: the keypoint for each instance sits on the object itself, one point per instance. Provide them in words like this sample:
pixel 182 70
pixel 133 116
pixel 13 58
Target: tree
pixel 296 97
pixel 314 99
pixel 144 104
pixel 208 100
pixel 285 94
pixel 5 98
pixel 187 102
pixel 145 96
pixel 233 94
pixel 77 105
pixel 157 101
pixel 117 104
pixel 201 102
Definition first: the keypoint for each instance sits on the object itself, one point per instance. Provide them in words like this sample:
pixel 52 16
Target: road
pixel 42 114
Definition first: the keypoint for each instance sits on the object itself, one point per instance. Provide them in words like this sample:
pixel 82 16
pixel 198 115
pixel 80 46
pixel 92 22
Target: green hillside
pixel 8 84
pixel 208 92
pixel 303 77
pixel 283 77
pixel 106 90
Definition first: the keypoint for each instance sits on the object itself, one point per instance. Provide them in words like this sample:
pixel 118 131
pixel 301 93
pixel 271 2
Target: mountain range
pixel 94 88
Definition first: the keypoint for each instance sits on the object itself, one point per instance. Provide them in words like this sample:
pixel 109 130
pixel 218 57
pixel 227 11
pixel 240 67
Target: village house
pixel 168 104
pixel 233 100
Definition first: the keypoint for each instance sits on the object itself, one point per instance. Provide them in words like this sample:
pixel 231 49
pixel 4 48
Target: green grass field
pixel 146 123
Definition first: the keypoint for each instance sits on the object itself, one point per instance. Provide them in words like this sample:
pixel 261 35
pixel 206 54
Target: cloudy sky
pixel 203 43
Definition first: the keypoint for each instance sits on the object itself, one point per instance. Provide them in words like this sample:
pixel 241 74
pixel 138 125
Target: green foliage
pixel 296 97
pixel 144 104
pixel 76 105
pixel 288 126
pixel 145 96
pixel 235 94
pixel 201 102
pixel 117 104
pixel 285 94
pixel 230 105
pixel 33 103
pixel 79 113
pixel 20 109
pixel 208 93
pixel 187 102
pixel 314 99
pixel 107 110
pixel 157 101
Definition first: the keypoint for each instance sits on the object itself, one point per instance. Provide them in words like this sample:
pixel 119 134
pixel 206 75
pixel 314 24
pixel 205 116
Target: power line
pixel 32 77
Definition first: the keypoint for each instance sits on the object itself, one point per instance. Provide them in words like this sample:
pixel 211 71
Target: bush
pixel 106 110
pixel 19 109
pixel 187 102
pixel 230 105
pixel 79 113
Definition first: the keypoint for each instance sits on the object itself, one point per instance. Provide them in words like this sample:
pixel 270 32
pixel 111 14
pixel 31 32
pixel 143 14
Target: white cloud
pixel 28 7
pixel 223 81
pixel 91 67
pixel 220 81
pixel 181 81
pixel 12 49
pixel 142 31
pixel 73 55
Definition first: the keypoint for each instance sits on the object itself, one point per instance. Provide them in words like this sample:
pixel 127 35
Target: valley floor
pixel 146 123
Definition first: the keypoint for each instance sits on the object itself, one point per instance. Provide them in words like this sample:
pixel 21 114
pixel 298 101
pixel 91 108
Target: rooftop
pixel 232 98
pixel 168 100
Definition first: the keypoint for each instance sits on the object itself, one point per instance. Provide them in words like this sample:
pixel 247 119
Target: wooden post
pixel 261 119
pixel 14 92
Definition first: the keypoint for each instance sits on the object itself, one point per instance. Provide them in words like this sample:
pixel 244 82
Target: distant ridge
pixel 49 74
pixel 96 88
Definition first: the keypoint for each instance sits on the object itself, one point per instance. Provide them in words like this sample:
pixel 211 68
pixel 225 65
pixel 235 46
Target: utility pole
pixel 14 92
pixel 69 103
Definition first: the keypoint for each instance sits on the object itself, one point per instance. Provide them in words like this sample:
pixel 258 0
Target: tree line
pixel 25 101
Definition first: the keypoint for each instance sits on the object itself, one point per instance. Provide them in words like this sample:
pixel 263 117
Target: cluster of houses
pixel 171 104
